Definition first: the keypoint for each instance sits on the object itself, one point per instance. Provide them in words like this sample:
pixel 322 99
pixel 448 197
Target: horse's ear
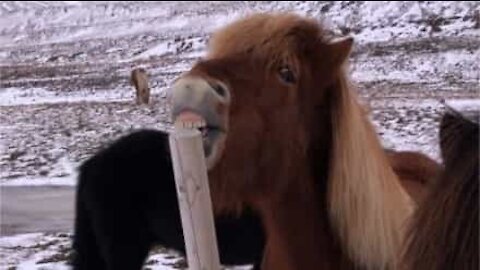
pixel 339 51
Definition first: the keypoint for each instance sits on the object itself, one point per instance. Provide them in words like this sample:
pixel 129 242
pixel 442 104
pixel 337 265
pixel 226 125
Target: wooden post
pixel 194 199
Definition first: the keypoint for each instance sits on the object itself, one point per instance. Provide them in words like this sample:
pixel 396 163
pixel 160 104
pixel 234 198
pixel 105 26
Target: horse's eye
pixel 287 75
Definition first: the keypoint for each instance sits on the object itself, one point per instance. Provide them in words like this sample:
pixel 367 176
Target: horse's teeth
pixel 191 125
pixel 199 124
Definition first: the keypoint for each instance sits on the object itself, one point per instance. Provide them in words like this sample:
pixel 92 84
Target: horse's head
pixel 254 97
pixel 457 128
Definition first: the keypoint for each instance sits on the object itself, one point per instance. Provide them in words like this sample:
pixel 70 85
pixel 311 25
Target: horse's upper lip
pixel 191 118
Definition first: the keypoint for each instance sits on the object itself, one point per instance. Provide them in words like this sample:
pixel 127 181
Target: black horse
pixel 444 232
pixel 126 202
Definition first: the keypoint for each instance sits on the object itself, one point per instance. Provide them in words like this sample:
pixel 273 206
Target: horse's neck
pixel 299 236
pixel 298 226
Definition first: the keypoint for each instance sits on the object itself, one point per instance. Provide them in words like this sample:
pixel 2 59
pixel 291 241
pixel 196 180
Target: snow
pixel 159 49
pixel 418 68
pixel 464 104
pixel 17 96
pixel 24 251
pixel 49 251
pixel 22 240
pixel 70 180
pixel 39 251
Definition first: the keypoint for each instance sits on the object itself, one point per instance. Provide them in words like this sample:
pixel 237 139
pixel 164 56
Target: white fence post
pixel 194 199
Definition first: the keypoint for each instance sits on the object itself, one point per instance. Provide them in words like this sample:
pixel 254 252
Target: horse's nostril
pixel 219 89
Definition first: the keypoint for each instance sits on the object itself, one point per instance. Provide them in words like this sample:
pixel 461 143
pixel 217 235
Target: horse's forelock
pixel 277 37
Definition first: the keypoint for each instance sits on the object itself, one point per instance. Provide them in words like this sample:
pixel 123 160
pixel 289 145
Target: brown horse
pixel 444 232
pixel 285 134
pixel 417 171
pixel 139 79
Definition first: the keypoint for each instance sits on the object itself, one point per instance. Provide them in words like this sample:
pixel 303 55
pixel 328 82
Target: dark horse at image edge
pixel 126 202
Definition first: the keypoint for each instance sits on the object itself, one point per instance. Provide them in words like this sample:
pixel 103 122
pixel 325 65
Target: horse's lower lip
pixel 210 139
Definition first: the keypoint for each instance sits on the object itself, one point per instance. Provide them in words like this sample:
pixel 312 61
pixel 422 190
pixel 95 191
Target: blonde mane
pixel 368 206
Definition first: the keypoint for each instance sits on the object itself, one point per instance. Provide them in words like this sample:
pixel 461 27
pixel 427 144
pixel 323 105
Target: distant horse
pixel 139 79
pixel 126 202
pixel 284 134
pixel 444 232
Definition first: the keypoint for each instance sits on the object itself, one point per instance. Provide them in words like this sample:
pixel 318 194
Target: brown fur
pixel 139 79
pixel 444 232
pixel 304 155
pixel 416 171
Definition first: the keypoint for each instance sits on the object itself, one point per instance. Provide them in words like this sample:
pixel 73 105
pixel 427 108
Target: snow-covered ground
pixel 64 89
pixel 52 251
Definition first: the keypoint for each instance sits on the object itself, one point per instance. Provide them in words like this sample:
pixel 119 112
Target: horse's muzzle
pixel 195 102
